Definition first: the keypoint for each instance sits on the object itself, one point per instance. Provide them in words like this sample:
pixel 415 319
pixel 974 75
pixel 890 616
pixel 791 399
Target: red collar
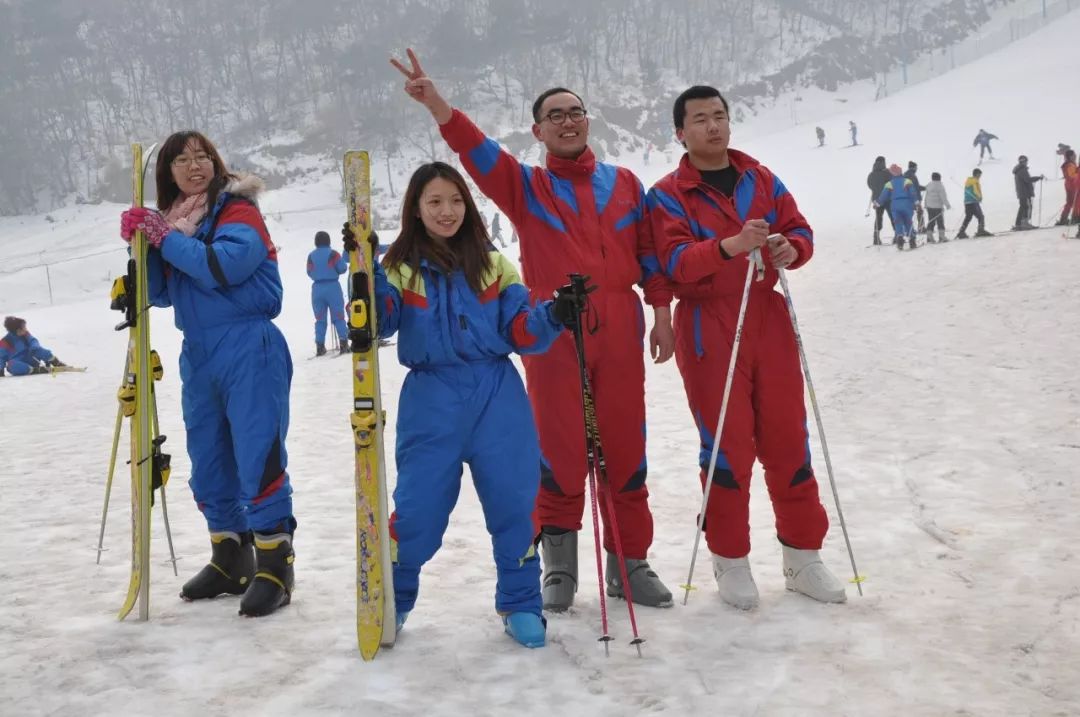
pixel 581 167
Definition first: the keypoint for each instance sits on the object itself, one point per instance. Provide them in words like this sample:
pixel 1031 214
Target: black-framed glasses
pixel 576 115
pixel 184 161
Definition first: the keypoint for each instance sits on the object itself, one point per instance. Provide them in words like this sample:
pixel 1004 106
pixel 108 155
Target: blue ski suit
pixel 224 287
pixel 21 354
pixel 904 195
pixel 464 402
pixel 324 266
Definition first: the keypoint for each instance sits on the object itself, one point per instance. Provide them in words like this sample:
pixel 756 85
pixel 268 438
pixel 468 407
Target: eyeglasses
pixel 184 161
pixel 559 116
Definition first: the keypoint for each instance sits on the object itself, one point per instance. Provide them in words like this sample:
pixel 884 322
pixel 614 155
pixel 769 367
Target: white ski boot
pixel 805 573
pixel 735 581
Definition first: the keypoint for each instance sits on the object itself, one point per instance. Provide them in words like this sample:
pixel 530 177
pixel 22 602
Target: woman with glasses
pixel 212 260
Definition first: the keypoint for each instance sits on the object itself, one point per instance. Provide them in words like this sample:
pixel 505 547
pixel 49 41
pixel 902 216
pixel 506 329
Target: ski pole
pixel 755 263
pixel 858 580
pixel 594 453
pixel 112 468
pixel 1040 202
pixel 157 440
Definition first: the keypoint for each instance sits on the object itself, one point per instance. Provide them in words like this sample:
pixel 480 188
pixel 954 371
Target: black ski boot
pixel 911 242
pixel 55 362
pixel 899 242
pixel 962 235
pixel 229 572
pixel 344 347
pixel 983 233
pixel 273 583
pixel 320 349
pixel 877 238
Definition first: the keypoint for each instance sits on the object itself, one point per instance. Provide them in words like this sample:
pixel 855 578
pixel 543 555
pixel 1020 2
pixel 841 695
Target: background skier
pixel 937 201
pixel 973 206
pixel 900 194
pixel 324 266
pixel 1025 192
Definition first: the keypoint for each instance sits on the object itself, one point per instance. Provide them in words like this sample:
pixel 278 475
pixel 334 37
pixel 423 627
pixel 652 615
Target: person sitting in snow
pixel 21 354
pixel 461 310
pixel 902 198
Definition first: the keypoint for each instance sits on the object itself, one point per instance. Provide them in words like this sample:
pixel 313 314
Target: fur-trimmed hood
pixel 245 185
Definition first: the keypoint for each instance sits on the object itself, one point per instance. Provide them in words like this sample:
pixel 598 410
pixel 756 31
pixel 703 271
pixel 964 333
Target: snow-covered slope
pixel 950 394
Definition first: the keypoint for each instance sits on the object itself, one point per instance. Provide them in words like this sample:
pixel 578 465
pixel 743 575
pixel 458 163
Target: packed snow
pixel 948 384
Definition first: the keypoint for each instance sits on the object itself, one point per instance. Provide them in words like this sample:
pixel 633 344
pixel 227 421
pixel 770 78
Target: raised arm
pixel 496 172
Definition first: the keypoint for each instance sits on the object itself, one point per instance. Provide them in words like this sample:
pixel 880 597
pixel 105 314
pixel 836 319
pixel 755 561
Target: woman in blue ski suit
pixel 461 310
pixel 901 196
pixel 324 266
pixel 212 261
pixel 20 353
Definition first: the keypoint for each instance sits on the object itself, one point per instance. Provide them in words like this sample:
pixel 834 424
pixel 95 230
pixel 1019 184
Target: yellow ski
pixel 135 399
pixel 375 619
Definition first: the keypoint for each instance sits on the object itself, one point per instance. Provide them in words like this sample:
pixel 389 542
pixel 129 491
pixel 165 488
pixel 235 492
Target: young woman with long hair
pixel 460 309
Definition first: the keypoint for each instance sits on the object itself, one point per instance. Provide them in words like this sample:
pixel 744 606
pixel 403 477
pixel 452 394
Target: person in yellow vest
pixel 973 206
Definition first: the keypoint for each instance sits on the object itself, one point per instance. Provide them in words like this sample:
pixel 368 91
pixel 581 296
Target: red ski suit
pixel 587 217
pixel 766 417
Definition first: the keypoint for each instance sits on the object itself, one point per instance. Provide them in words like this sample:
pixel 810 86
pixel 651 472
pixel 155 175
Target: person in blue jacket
pixel 212 260
pixel 20 353
pixel 460 310
pixel 902 197
pixel 324 266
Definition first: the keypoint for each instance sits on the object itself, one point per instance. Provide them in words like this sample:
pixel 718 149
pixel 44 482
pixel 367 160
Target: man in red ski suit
pixel 707 216
pixel 578 215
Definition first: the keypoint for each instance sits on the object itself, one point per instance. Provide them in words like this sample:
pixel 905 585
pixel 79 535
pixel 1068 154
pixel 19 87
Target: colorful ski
pixel 135 396
pixel 375 619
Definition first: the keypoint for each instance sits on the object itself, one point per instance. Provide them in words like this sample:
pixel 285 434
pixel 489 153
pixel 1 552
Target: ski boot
pixel 528 628
pixel 320 349
pixel 735 581
pixel 911 242
pixel 962 235
pixel 559 551
pixel 941 237
pixel 272 585
pixel 898 242
pixel 344 347
pixel 805 573
pixel 877 238
pixel 983 233
pixel 55 362
pixel 645 585
pixel 229 572
pixel 39 369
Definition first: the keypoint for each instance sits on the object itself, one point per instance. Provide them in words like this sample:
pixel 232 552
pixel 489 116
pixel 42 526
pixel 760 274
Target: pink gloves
pixel 151 223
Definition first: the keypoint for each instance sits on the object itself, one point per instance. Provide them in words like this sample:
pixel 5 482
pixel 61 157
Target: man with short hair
pixel 708 216
pixel 578 215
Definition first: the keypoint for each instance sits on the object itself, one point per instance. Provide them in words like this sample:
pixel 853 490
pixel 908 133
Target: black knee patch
pixel 802 475
pixel 636 482
pixel 547 480
pixel 723 477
